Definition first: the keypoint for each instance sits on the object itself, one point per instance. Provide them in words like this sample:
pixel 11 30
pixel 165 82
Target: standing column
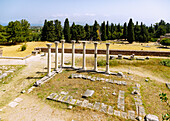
pixel 95 56
pixel 49 60
pixel 84 55
pixel 107 57
pixel 73 53
pixel 56 55
pixel 62 54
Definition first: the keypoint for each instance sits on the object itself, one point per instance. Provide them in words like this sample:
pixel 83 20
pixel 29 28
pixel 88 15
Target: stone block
pixel 131 115
pixel 88 93
pixel 150 117
pixel 117 113
pixel 96 106
pixel 60 98
pixel 93 79
pixel 168 85
pixel 140 59
pixel 90 105
pixel 110 81
pixel 69 98
pixel 50 97
pixel 103 108
pixel 64 98
pixel 120 74
pixel 85 103
pixel 56 97
pixel 73 101
pixel 78 102
pixel 110 110
pixel 18 99
pixel 13 104
pixel 63 93
pixel 124 115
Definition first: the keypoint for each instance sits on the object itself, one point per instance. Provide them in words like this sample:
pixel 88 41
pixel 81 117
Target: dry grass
pixel 15 50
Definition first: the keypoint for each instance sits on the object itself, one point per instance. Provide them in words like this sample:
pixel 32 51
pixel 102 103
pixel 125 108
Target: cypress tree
pixel 103 31
pixel 119 28
pixel 67 35
pixel 87 29
pixel 50 31
pixel 73 31
pixel 125 31
pixel 44 32
pixel 107 30
pixel 130 37
pixel 137 32
pixel 95 31
pixel 58 30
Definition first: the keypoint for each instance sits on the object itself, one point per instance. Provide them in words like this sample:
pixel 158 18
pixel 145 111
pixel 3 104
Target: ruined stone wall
pixel 112 52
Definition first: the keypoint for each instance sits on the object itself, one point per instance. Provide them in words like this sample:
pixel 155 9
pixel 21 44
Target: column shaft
pixel 62 54
pixel 73 53
pixel 49 60
pixel 56 55
pixel 95 56
pixel 84 56
pixel 107 57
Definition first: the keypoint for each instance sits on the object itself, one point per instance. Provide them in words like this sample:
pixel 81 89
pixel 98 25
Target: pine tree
pixel 125 31
pixel 160 31
pixel 103 32
pixel 87 29
pixel 67 35
pixel 73 31
pixel 58 30
pixel 130 30
pixel 44 32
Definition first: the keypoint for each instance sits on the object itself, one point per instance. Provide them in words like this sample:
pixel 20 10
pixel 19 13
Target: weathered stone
pixel 150 117
pixel 64 98
pixel 69 98
pixel 88 77
pixel 85 103
pixel 119 56
pixel 96 106
pixel 60 98
pixel 56 97
pixel 103 108
pixel 147 58
pixel 110 81
pixel 125 58
pixel 84 76
pixel 141 111
pixel 13 104
pixel 78 102
pixel 88 93
pixel 72 101
pixel 168 85
pixel 135 92
pixel 93 79
pixel 146 80
pixel 18 99
pixel 50 97
pixel 116 113
pixel 140 59
pixel 131 115
pixel 70 107
pixel 124 115
pixel 112 57
pixel 110 110
pixel 114 93
pixel 63 93
pixel 90 105
pixel 120 74
pixel 102 79
pixel 98 79
pixel 123 83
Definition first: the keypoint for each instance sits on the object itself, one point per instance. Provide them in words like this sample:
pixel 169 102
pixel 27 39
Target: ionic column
pixel 49 60
pixel 107 57
pixel 62 53
pixel 73 53
pixel 95 56
pixel 84 56
pixel 56 55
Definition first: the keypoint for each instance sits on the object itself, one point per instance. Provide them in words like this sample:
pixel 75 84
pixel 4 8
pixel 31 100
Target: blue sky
pixel 85 11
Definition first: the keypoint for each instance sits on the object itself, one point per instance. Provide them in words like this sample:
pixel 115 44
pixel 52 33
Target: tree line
pixel 20 31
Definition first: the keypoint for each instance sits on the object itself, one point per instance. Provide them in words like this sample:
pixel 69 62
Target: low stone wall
pixel 1 52
pixel 112 52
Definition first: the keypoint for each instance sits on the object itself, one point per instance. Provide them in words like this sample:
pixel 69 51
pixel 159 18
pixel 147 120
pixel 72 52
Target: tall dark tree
pixel 80 32
pixel 144 37
pixel 131 36
pixel 96 35
pixel 67 34
pixel 73 31
pixel 167 28
pixel 151 29
pixel 50 31
pixel 44 32
pixel 25 28
pixel 103 32
pixel 58 30
pixel 137 32
pixel 125 31
pixel 160 31
pixel 162 22
pixel 119 28
pixel 108 36
pixel 87 29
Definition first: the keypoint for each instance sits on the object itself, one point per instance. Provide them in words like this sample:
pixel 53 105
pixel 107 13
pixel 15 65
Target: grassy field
pixel 76 87
pixel 15 50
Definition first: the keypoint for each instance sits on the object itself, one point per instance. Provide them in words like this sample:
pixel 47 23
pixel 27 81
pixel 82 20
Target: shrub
pixel 166 62
pixel 23 47
pixel 165 41
pixel 153 39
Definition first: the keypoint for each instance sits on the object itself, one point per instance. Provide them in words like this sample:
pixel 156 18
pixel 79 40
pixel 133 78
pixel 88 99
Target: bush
pixel 153 39
pixel 23 47
pixel 165 41
pixel 166 62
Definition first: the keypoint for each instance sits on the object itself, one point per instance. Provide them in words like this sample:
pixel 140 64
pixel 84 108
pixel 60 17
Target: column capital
pixel 56 42
pixel 62 41
pixel 107 43
pixel 49 44
pixel 73 41
pixel 95 43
